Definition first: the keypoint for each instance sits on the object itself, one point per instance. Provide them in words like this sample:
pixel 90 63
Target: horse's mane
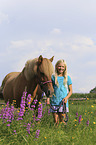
pixel 30 69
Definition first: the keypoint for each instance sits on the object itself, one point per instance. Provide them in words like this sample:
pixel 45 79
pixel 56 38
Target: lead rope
pixel 64 110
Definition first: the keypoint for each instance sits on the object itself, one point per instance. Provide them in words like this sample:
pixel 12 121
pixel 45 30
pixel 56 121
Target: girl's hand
pixel 65 100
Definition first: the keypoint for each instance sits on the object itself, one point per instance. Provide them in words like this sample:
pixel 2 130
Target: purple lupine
pixel 39 111
pixel 49 111
pixel 80 118
pixel 28 128
pixel 7 114
pixel 35 101
pixel 37 133
pixel 87 122
pixel 28 100
pixel 22 106
pixel 76 114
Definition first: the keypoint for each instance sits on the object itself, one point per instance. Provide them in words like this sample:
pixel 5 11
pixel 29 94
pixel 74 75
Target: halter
pixel 43 83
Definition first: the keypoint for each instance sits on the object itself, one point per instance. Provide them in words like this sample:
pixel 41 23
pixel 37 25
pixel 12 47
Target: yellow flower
pixel 92 106
pixel 14 100
pixel 45 137
pixel 72 137
pixel 75 120
pixel 31 99
pixel 29 102
pixel 94 122
pixel 75 125
pixel 39 102
pixel 18 111
pixel 87 98
pixel 72 102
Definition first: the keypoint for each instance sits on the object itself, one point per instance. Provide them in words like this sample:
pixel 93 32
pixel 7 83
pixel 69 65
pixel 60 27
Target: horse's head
pixel 45 70
pixel 41 69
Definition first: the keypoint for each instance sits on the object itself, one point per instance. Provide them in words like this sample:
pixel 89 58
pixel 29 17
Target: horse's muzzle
pixel 49 93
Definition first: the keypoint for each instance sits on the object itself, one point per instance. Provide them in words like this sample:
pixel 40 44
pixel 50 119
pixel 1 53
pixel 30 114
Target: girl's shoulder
pixel 69 81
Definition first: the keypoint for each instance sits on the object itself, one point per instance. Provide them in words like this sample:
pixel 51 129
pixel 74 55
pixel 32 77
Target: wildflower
pixel 37 133
pixel 80 117
pixel 92 106
pixel 45 137
pixel 76 114
pixel 29 100
pixel 94 122
pixel 35 101
pixel 39 111
pixel 87 122
pixel 28 127
pixel 33 117
pixel 14 131
pixel 8 124
pixel 87 98
pixel 48 111
pixel 22 106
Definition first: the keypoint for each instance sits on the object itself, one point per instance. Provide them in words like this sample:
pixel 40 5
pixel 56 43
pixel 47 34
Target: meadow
pixel 22 127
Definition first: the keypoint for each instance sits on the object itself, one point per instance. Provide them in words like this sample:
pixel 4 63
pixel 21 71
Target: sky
pixel 65 29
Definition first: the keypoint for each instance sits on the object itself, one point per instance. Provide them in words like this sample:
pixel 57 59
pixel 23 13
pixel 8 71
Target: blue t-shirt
pixel 60 91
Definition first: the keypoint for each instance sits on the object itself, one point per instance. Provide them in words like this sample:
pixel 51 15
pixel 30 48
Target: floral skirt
pixel 55 109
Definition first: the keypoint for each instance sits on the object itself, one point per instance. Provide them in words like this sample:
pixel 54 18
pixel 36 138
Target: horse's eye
pixel 42 73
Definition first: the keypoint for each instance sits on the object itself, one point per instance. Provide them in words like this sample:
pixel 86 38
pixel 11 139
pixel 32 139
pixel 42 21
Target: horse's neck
pixel 30 84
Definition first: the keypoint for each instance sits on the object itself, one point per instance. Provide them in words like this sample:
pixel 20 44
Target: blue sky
pixel 65 29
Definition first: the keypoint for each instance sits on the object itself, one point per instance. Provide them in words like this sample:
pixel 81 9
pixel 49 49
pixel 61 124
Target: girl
pixel 60 81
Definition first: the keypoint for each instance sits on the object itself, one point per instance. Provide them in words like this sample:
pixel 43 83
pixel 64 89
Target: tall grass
pixel 28 131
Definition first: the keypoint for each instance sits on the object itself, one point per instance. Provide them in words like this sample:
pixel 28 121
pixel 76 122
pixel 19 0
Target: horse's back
pixel 10 75
pixel 7 86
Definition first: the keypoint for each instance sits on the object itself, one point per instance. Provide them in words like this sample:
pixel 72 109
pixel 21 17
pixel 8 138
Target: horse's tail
pixel 1 92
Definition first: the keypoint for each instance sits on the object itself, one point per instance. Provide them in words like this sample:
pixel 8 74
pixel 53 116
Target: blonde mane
pixel 30 69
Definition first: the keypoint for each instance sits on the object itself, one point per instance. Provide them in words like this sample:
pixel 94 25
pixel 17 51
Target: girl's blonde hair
pixel 64 73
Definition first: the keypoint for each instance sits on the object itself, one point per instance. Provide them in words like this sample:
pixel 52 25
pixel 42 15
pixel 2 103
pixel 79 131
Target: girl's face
pixel 60 68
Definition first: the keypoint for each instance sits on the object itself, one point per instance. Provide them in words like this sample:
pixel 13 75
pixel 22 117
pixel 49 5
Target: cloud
pixel 4 18
pixel 56 31
pixel 21 44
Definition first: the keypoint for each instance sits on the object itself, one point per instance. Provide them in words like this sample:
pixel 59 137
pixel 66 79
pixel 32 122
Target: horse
pixel 35 76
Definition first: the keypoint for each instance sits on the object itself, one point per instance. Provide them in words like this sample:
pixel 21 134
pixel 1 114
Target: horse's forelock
pixel 47 67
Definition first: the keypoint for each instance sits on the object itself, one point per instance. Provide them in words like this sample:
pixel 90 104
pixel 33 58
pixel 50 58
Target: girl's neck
pixel 60 75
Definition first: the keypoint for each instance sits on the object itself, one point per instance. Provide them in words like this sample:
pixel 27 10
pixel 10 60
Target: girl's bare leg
pixel 61 117
pixel 56 118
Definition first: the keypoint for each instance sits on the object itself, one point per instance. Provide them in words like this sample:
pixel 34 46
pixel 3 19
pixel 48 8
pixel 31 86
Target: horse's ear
pixel 40 59
pixel 51 59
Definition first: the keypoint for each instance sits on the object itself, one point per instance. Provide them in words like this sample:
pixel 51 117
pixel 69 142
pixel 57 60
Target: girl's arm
pixel 69 94
pixel 48 101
